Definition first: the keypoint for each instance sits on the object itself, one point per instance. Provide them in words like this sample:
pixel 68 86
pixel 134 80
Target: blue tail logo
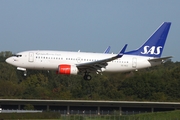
pixel 154 46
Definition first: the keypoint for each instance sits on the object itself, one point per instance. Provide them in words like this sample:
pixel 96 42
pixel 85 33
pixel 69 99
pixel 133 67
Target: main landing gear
pixel 87 76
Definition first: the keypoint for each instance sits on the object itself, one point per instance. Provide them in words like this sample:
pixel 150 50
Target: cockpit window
pixel 17 55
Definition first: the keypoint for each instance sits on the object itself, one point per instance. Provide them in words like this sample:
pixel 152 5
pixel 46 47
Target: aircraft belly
pixel 143 64
pixel 48 66
pixel 118 67
pixel 42 66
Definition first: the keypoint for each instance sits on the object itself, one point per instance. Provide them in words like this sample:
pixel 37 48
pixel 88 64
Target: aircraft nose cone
pixel 9 60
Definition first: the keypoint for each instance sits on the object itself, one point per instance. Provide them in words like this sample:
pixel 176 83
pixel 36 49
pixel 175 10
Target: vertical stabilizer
pixel 154 46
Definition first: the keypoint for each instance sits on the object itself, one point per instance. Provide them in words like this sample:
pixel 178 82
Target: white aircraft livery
pixel 65 62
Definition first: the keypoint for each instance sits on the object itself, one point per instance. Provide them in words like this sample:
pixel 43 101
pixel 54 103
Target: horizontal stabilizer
pixel 160 59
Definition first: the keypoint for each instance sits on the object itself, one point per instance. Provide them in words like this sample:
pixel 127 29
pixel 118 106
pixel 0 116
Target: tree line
pixel 159 83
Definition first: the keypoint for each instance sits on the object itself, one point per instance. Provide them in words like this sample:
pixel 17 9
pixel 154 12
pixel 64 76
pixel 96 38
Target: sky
pixel 86 25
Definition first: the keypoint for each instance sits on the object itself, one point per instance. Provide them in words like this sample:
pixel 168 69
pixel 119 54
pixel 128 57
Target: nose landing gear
pixel 25 73
pixel 22 69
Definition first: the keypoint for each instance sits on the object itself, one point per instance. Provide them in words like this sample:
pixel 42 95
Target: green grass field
pixel 171 115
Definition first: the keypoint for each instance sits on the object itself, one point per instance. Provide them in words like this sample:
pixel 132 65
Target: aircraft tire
pixel 87 77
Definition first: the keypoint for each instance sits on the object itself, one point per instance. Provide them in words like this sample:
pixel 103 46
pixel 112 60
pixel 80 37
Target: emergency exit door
pixel 134 62
pixel 31 57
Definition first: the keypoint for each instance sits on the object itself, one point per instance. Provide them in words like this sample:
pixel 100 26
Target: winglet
pixel 107 49
pixel 121 53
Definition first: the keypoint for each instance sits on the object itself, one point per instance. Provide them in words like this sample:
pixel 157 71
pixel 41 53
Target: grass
pixel 170 115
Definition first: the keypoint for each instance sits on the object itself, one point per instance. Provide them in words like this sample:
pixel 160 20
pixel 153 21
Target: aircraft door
pixel 134 62
pixel 31 57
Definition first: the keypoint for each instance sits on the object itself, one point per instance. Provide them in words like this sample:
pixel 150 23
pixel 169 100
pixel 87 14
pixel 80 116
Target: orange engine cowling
pixel 67 69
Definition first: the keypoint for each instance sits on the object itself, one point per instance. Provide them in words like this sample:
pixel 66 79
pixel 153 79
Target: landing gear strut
pixel 87 76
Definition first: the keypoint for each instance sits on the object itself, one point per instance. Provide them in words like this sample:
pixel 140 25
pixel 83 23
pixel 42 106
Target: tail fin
pixel 154 46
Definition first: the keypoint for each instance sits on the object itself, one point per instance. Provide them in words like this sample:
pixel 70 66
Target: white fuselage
pixel 50 60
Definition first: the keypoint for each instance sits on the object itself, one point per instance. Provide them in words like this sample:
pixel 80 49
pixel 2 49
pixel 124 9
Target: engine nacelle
pixel 67 69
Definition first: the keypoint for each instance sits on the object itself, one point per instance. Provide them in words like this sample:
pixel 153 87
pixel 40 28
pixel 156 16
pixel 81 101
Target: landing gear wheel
pixel 87 77
pixel 25 73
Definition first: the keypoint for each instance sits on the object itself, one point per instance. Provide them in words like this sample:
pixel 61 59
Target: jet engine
pixel 67 69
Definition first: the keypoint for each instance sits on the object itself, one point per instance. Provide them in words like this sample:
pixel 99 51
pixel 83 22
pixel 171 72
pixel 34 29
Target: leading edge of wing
pixel 103 62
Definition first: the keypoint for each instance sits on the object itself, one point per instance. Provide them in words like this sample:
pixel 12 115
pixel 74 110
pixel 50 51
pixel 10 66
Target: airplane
pixel 73 63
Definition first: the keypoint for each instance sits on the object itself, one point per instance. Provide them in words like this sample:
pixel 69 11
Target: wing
pixel 99 64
